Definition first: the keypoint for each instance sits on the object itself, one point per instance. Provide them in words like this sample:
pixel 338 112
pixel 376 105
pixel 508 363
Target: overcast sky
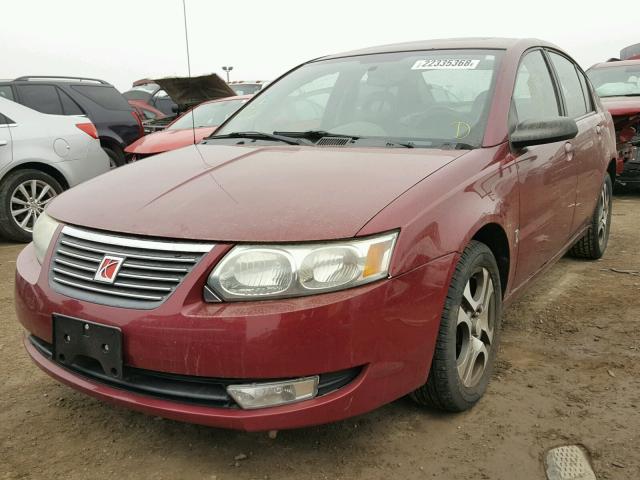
pixel 124 40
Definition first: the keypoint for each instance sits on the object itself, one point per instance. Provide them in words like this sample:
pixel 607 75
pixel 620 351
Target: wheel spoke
pixel 23 190
pixel 472 364
pixel 18 201
pixel 25 220
pixel 34 188
pixel 43 192
pixel 19 211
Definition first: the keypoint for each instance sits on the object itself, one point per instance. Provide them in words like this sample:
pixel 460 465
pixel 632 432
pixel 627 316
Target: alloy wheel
pixel 475 328
pixel 28 201
pixel 603 221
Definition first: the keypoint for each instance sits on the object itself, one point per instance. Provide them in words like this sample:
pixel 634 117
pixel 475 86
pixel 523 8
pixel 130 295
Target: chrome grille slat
pixel 75 265
pixel 154 268
pixel 130 255
pixel 150 272
pixel 148 277
pixel 108 292
pixel 75 255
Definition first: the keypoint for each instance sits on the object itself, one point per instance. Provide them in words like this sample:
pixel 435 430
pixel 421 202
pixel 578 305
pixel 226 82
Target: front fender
pixel 442 213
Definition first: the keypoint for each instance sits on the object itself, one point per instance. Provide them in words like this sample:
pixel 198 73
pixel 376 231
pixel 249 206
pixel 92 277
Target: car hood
pixel 189 91
pixel 248 193
pixel 166 140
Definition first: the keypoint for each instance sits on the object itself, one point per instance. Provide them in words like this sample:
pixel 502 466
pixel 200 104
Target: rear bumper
pixel 387 330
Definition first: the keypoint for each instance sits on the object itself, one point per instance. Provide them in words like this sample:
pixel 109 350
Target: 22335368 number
pixel 445 64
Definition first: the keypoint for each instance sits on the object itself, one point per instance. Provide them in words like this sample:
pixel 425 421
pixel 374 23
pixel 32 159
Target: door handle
pixel 568 150
pixel 3 143
pixel 599 129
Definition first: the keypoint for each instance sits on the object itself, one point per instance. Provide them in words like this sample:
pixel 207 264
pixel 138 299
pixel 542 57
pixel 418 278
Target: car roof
pixel 485 43
pixel 616 63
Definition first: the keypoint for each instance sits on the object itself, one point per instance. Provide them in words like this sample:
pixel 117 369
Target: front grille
pixel 184 388
pixel 150 272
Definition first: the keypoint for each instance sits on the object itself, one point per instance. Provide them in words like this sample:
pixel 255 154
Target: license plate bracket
pixel 74 338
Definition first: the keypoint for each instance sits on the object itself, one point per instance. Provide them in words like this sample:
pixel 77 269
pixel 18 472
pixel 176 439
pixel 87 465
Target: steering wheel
pixel 379 103
pixel 438 122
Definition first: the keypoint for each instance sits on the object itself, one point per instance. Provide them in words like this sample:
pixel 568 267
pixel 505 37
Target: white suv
pixel 40 156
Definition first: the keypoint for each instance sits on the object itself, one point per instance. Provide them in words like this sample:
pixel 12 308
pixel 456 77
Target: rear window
pixel 106 96
pixel 6 92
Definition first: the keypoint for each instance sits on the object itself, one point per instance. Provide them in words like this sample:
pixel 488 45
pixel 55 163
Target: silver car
pixel 40 156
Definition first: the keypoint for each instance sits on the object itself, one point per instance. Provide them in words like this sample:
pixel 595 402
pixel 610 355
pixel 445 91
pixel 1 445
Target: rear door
pixel 546 173
pixel 6 147
pixel 588 146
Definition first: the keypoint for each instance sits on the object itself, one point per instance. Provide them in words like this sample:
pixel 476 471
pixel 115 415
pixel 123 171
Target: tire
pixel 11 195
pixel 461 367
pixel 594 242
pixel 116 157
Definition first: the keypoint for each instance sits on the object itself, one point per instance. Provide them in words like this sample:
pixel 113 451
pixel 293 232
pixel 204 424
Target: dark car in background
pixel 117 123
pixel 617 83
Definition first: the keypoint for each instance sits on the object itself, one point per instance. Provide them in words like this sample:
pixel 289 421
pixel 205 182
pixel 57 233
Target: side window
pixel 587 91
pixel 570 85
pixel 6 92
pixel 68 105
pixel 534 96
pixel 43 98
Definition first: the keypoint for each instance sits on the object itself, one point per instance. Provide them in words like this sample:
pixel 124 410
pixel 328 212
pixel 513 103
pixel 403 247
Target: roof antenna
pixel 186 40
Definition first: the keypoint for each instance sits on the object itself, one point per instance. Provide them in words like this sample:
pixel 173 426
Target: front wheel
pixel 24 194
pixel 594 242
pixel 468 337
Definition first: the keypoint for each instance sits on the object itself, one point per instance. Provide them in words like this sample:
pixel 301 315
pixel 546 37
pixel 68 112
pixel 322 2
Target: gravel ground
pixel 568 373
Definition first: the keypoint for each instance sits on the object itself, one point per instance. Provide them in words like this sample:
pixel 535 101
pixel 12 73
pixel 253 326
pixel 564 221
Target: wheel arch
pixel 43 167
pixel 494 236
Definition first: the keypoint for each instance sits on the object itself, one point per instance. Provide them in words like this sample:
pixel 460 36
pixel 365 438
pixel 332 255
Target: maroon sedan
pixel 348 237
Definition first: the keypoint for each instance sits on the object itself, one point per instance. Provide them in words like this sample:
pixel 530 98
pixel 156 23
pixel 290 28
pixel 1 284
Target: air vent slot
pixel 333 141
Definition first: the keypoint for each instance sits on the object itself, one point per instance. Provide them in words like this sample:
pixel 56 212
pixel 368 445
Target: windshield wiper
pixel 315 135
pixel 256 136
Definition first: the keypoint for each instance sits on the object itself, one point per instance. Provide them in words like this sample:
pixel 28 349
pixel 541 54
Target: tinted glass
pixel 6 92
pixel 68 105
pixel 570 85
pixel 621 80
pixel 207 115
pixel 105 96
pixel 163 102
pixel 586 90
pixel 534 96
pixel 43 98
pixel 432 98
pixel 246 88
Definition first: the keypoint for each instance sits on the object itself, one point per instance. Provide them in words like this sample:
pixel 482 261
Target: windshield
pixel 431 97
pixel 209 114
pixel 616 81
pixel 246 88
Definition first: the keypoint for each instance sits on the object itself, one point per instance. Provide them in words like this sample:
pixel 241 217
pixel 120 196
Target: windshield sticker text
pixel 445 64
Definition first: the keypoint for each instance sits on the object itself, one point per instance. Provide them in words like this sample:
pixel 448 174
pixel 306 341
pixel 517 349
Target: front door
pixel 546 173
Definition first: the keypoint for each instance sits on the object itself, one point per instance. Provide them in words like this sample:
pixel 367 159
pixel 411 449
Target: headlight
pixel 43 232
pixel 253 272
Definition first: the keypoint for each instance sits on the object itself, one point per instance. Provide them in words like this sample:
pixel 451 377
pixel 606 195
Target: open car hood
pixel 190 91
pixel 624 110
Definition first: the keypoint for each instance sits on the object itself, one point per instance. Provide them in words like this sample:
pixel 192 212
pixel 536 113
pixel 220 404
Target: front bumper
pixel 386 330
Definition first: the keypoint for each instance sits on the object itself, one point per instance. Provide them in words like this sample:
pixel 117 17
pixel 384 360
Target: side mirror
pixel 542 131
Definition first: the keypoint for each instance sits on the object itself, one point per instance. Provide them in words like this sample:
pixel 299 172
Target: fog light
pixel 259 395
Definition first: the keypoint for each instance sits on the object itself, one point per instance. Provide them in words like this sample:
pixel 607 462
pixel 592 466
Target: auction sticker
pixel 446 64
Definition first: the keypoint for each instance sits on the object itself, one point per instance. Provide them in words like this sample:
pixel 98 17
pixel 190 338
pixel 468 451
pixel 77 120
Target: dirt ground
pixel 568 372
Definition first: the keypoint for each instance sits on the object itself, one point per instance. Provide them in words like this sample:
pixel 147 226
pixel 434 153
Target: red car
pixel 618 85
pixel 346 238
pixel 206 118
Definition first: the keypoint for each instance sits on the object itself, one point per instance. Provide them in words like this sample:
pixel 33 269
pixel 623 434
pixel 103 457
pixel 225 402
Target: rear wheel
pixel 116 157
pixel 24 195
pixel 469 332
pixel 594 242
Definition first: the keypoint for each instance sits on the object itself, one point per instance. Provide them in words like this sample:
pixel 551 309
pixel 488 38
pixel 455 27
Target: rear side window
pixel 534 96
pixel 587 91
pixel 105 96
pixel 6 92
pixel 68 105
pixel 43 98
pixel 570 85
